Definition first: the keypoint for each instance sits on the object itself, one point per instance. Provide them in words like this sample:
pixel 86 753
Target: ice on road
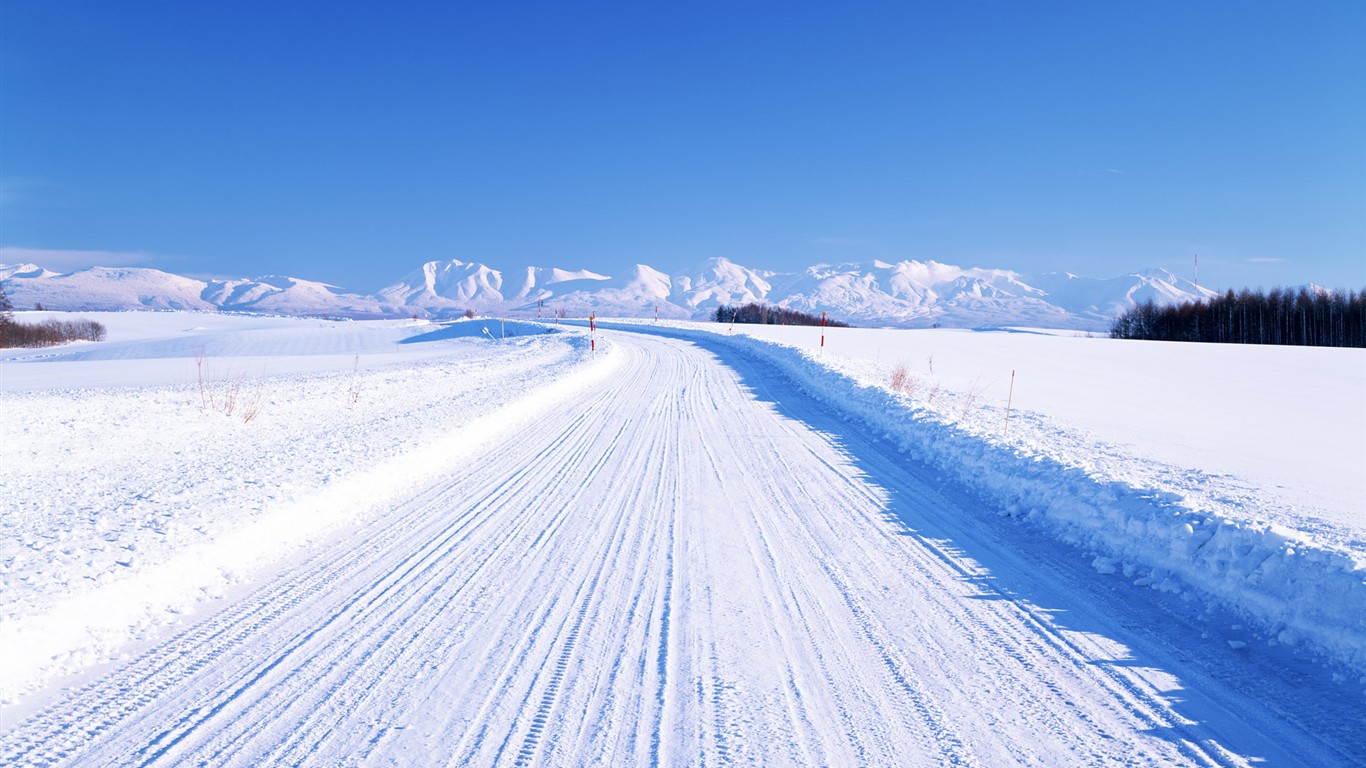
pixel 691 564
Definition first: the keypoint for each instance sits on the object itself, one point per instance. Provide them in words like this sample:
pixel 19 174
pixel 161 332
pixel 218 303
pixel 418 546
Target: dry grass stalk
pixel 230 397
pixel 971 398
pixel 903 382
pixel 900 378
pixel 353 392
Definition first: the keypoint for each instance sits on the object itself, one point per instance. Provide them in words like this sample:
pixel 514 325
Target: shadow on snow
pixel 1054 583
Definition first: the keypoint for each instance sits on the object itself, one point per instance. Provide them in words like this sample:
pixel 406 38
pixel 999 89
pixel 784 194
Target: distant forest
pixel 1309 318
pixel 762 314
pixel 48 333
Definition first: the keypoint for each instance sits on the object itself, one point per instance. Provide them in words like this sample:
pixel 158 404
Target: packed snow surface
pixel 242 541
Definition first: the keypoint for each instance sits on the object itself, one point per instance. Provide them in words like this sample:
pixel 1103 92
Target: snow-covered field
pixel 130 493
pixel 394 541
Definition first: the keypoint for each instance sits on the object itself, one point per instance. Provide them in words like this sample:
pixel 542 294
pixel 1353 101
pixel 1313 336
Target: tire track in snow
pixel 623 637
pixel 954 751
pixel 472 747
pixel 518 666
pixel 761 557
pixel 507 536
pixel 651 449
pixel 566 644
pixel 379 593
pixel 775 500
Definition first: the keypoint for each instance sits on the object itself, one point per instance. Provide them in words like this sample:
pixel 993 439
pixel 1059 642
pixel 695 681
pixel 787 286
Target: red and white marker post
pixel 593 332
pixel 822 331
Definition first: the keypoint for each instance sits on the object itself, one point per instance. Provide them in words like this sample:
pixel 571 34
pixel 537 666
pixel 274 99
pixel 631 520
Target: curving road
pixel 693 565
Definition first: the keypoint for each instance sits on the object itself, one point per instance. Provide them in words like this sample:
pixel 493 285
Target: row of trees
pixel 763 314
pixel 48 333
pixel 1311 318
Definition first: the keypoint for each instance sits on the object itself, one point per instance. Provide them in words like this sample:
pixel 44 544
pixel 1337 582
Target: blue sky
pixel 349 142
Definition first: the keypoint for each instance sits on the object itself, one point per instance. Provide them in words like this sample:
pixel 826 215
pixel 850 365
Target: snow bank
pixel 125 507
pixel 1301 592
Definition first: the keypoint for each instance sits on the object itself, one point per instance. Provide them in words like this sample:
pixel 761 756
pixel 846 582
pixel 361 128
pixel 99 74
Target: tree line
pixel 1317 318
pixel 47 333
pixel 763 314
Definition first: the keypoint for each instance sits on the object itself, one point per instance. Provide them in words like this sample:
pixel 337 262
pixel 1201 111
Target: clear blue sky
pixel 349 142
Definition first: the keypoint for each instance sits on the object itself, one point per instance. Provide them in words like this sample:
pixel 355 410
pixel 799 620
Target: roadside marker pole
pixel 593 332
pixel 1009 399
pixel 656 313
pixel 822 331
pixel 502 328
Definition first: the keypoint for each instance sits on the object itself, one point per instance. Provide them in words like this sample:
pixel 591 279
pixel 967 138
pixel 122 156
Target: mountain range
pixel 873 293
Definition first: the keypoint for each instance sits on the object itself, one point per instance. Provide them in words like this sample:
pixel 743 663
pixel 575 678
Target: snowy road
pixel 695 564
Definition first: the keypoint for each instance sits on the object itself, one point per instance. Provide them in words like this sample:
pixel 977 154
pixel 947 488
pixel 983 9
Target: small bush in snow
pixel 903 383
pixel 233 396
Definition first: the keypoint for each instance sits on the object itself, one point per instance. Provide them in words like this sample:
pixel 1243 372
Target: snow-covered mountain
pixel 719 282
pixel 125 288
pixel 103 288
pixel 1103 299
pixel 921 293
pixel 875 293
pixel 454 286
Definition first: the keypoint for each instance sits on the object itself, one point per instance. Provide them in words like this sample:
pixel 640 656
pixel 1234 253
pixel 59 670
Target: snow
pixel 487 542
pixel 1190 468
pixel 124 490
